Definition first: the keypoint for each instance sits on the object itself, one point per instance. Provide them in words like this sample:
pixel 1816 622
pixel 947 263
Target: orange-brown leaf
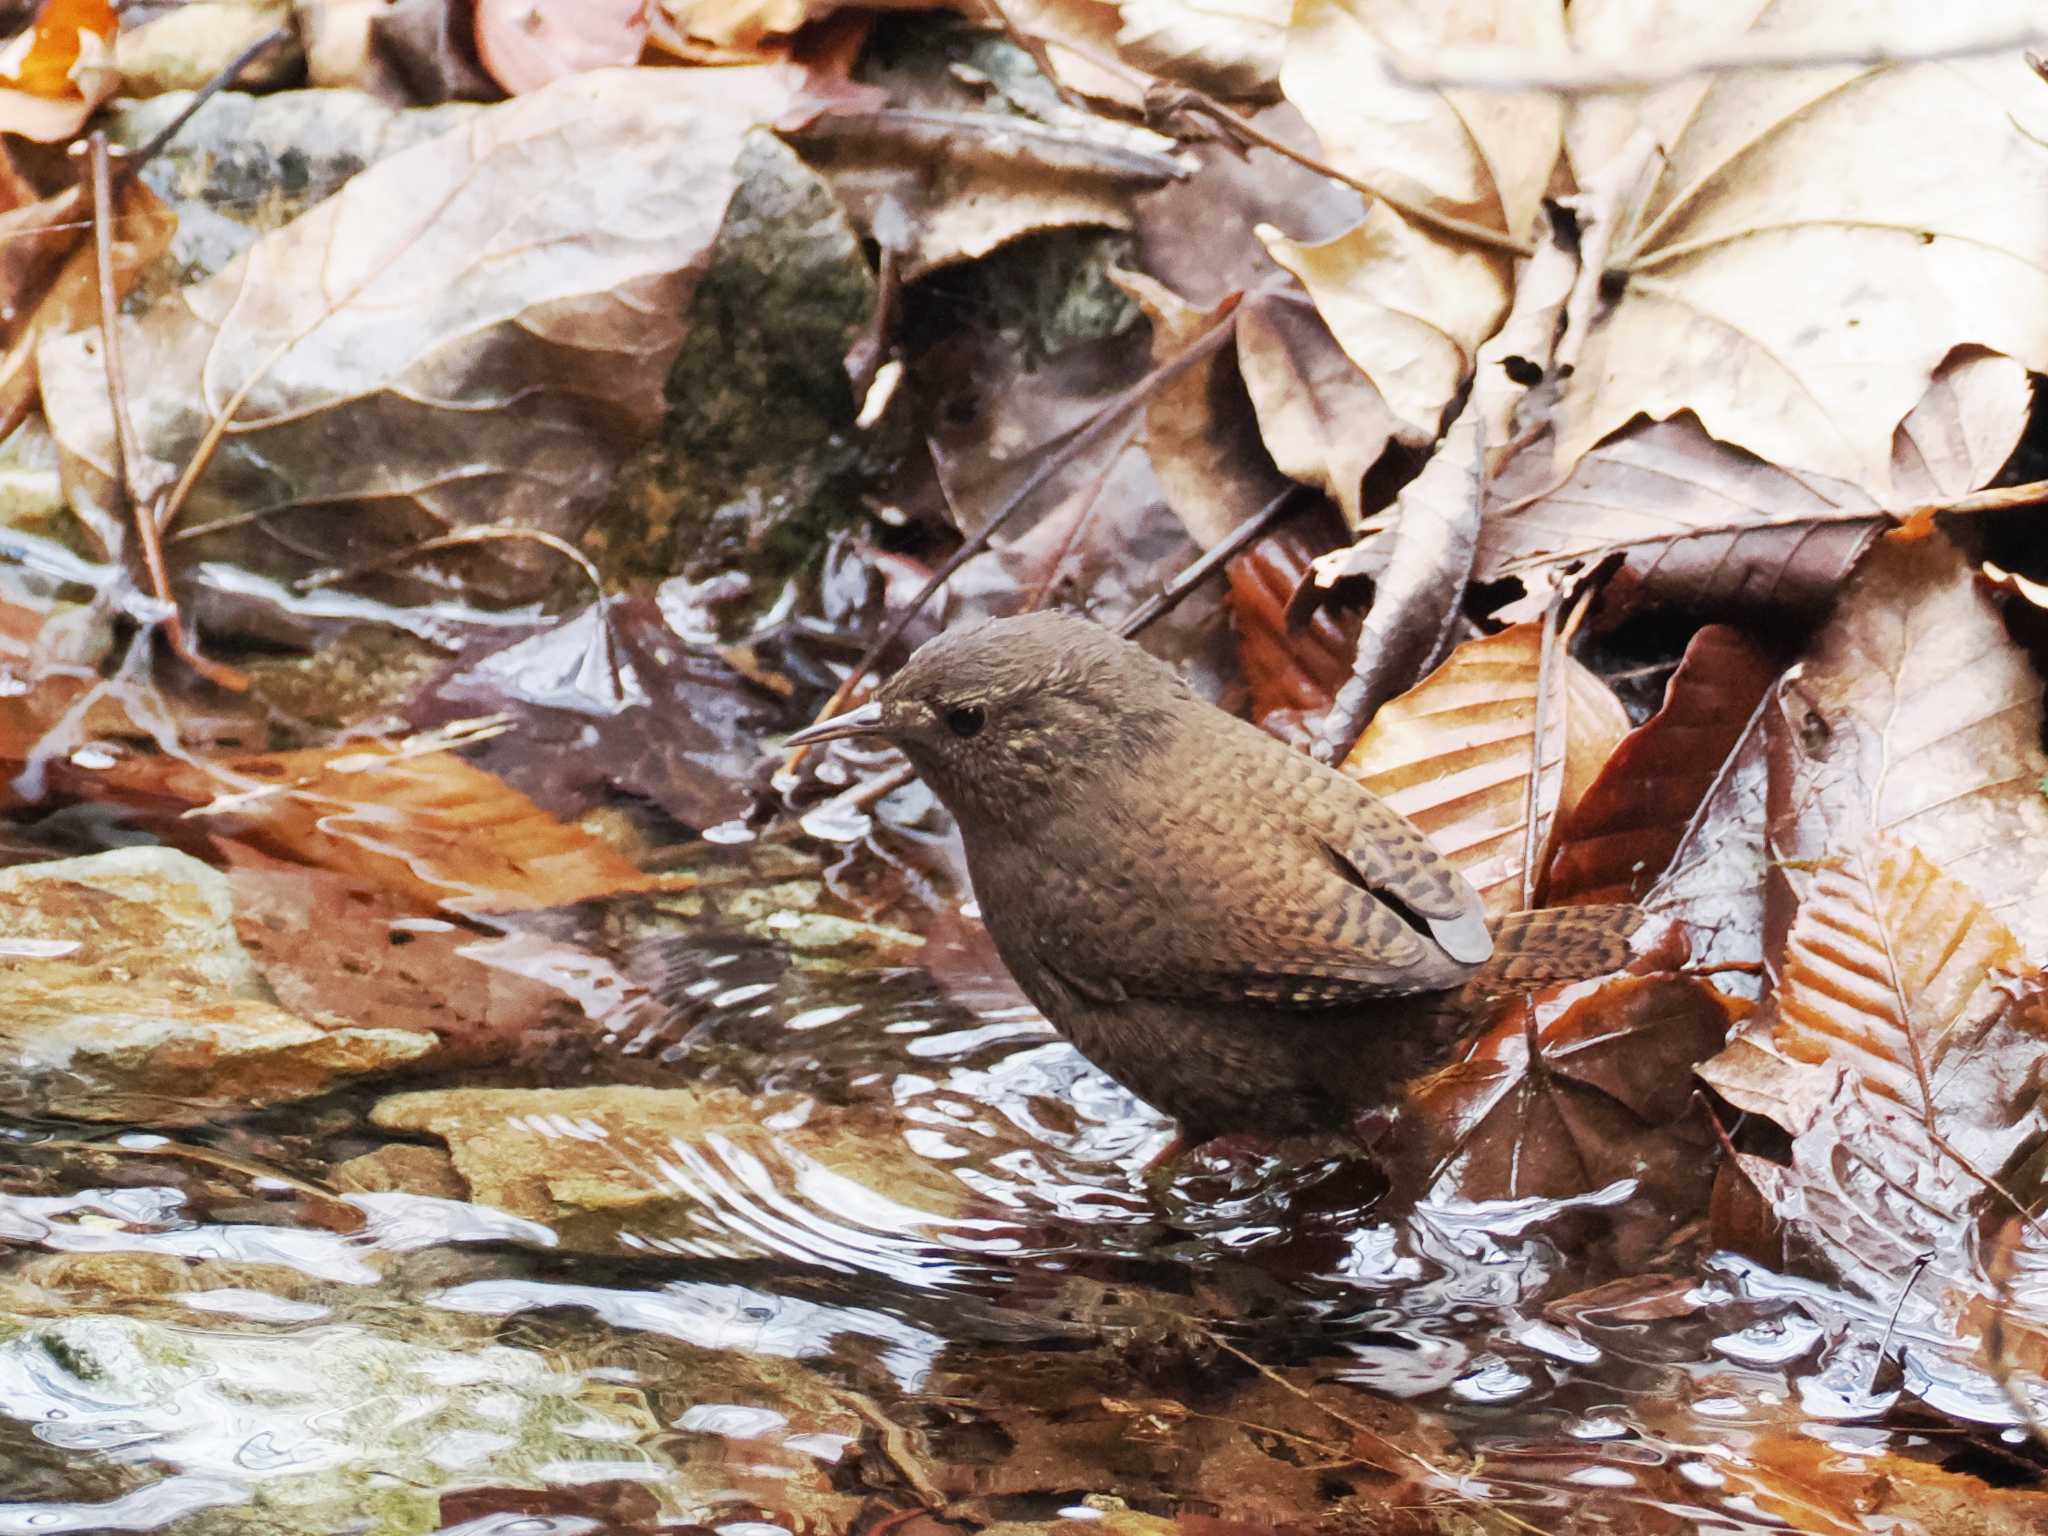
pixel 1620 836
pixel 1456 752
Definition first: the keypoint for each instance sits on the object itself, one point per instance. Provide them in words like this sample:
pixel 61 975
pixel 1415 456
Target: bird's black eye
pixel 966 719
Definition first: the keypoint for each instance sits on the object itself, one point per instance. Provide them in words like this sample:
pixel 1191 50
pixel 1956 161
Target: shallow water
pixel 897 1260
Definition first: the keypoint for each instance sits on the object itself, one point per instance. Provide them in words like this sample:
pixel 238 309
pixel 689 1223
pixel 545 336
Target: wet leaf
pixel 1605 1096
pixel 1916 716
pixel 1800 263
pixel 1714 885
pixel 409 818
pixel 1292 670
pixel 505 391
pixel 708 1171
pixel 1456 752
pixel 1618 839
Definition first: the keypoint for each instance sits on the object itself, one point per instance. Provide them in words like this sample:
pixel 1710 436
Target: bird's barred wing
pixel 1367 906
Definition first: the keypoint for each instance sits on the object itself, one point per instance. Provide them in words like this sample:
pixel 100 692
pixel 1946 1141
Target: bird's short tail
pixel 1560 944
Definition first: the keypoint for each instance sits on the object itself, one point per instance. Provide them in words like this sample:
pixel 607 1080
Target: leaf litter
pixel 476 982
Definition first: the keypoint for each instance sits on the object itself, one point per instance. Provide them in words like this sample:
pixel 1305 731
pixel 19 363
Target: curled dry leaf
pixel 496 390
pixel 1620 836
pixel 1606 1097
pixel 1321 419
pixel 49 275
pixel 1806 256
pixel 526 44
pixel 1455 754
pixel 1407 301
pixel 1916 715
pixel 1707 526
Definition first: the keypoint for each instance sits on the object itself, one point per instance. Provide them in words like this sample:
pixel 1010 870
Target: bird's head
pixel 1003 717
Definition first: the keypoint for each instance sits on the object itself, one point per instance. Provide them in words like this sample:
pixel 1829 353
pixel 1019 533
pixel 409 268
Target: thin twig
pixel 1212 559
pixel 1576 73
pixel 1080 439
pixel 220 82
pixel 127 446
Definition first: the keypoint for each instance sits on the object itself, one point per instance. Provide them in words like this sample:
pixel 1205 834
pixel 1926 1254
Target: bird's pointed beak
pixel 865 721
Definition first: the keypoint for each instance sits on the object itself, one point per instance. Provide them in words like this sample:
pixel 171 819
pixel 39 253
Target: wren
pixel 1240 935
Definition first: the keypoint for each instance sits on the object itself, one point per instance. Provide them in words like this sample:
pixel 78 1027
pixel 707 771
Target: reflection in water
pixel 870 1240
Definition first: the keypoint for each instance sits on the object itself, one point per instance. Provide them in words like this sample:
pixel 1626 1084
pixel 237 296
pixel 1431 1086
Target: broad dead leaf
pixel 1915 715
pixel 1607 1097
pixel 1622 833
pixel 499 390
pixel 1409 303
pixel 1455 754
pixel 1231 48
pixel 1806 255
pixel 1713 886
pixel 1292 670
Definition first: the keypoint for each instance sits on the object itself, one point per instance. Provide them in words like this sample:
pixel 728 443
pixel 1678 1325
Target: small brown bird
pixel 1240 935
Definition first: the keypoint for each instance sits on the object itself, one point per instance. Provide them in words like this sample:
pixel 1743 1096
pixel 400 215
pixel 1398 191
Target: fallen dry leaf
pixel 1605 1097
pixel 1804 257
pixel 1916 716
pixel 1409 302
pixel 1455 753
pixel 503 391
pixel 1320 418
pixel 59 70
pixel 1620 836
pixel 1712 528
pixel 1230 48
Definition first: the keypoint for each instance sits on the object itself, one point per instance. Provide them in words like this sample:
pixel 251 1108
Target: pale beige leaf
pixel 1408 303
pixel 1812 248
pixel 1410 308
pixel 1229 47
pixel 1321 419
pixel 1455 754
pixel 474 330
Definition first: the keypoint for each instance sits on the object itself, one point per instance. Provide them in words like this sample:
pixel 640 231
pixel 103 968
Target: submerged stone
pixel 126 996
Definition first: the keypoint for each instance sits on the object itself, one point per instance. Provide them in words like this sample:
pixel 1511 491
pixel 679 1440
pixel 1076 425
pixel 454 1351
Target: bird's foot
pixel 1217 1154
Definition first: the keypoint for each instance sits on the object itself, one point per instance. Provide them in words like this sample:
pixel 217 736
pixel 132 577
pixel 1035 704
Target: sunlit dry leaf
pixel 1322 421
pixel 1408 302
pixel 1916 715
pixel 527 44
pixel 54 75
pixel 1455 754
pixel 1710 527
pixel 500 390
pixel 1622 833
pixel 1806 256
pixel 1079 37
pixel 410 819
pixel 1607 1098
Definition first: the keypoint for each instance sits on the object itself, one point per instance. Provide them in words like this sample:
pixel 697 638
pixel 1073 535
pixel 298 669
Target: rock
pixel 704 1171
pixel 125 996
